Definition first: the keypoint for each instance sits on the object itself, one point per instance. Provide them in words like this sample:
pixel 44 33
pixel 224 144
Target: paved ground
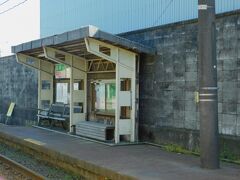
pixel 142 161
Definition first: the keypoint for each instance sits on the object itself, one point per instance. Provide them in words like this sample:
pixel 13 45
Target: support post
pixel 71 97
pixel 117 110
pixel 39 91
pixel 208 105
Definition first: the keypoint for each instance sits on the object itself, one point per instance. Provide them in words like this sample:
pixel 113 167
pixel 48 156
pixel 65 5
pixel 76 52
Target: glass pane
pixel 100 97
pixel 105 97
pixel 78 85
pixel 46 85
pixel 62 94
pixel 110 96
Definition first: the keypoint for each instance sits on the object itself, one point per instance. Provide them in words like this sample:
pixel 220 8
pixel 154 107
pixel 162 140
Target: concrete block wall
pixel 228 55
pixel 18 84
pixel 168 81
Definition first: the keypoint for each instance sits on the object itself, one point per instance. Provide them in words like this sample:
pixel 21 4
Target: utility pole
pixel 208 103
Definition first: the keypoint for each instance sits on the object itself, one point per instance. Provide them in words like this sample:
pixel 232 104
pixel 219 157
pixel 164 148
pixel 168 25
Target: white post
pixel 71 96
pixel 85 90
pixel 39 88
pixel 133 99
pixel 117 113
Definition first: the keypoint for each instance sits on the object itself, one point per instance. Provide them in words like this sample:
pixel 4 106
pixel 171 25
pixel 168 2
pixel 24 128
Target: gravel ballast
pixel 31 162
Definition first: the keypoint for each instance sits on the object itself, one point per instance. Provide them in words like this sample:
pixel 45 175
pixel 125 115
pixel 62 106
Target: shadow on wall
pixel 20 116
pixel 18 85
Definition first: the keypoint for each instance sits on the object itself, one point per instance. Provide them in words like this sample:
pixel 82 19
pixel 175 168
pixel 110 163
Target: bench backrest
pixel 57 108
pixel 66 112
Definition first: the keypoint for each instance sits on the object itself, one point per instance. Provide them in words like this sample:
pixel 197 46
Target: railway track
pixel 14 170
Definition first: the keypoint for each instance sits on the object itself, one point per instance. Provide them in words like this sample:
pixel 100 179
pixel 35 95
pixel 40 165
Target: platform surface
pixel 141 161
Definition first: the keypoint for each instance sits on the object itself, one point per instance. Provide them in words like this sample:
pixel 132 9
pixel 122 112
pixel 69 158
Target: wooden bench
pixel 95 130
pixel 56 112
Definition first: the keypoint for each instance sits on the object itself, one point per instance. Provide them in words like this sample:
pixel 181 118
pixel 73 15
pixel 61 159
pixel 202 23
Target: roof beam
pixel 66 58
pixel 94 47
pixel 35 63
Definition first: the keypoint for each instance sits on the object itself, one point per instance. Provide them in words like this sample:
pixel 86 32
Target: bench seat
pixel 43 113
pixel 56 112
pixel 95 130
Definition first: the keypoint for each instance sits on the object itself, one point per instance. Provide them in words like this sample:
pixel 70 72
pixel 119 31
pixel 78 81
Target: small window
pixel 78 85
pixel 45 104
pixel 46 85
pixel 30 61
pixel 78 107
pixel 125 84
pixel 60 56
pixel 105 50
pixel 125 112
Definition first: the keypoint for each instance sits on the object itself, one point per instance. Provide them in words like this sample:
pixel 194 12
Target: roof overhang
pixel 99 50
pixel 73 42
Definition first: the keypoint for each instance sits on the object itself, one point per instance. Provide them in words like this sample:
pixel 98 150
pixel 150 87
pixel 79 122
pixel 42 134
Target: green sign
pixel 62 71
pixel 60 67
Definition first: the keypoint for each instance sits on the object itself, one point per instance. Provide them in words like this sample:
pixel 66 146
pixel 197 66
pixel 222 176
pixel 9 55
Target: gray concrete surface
pixel 142 161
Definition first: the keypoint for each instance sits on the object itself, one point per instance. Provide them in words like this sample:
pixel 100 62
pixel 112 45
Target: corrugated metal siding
pixel 118 16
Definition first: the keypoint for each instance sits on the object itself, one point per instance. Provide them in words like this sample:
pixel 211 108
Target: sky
pixel 19 25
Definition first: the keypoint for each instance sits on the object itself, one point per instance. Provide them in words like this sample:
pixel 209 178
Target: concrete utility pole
pixel 208 105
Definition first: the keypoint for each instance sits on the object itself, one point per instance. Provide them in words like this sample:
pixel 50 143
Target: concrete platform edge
pixel 83 168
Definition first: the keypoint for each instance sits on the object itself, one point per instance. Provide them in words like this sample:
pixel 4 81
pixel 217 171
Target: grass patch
pixel 178 149
pixel 225 155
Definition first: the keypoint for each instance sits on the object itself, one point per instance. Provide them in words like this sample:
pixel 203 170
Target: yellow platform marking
pixel 35 141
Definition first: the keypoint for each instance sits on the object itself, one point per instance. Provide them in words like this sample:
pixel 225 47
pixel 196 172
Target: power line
pixel 13 7
pixel 163 12
pixel 4 2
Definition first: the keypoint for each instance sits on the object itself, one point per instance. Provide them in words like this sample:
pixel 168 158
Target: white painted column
pixel 39 88
pixel 117 113
pixel 71 96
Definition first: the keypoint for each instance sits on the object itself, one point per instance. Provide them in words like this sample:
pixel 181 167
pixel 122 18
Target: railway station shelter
pixel 93 72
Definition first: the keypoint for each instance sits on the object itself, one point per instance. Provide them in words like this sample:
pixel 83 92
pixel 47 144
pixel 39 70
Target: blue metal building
pixel 118 16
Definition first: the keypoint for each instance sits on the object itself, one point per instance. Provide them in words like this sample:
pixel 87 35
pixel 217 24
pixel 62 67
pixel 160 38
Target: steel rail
pixel 22 169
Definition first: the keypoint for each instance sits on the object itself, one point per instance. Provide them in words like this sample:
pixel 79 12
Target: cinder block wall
pixel 168 112
pixel 18 84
